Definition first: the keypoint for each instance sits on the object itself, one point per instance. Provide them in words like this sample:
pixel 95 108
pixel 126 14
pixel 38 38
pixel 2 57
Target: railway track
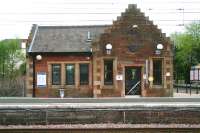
pixel 128 115
pixel 102 128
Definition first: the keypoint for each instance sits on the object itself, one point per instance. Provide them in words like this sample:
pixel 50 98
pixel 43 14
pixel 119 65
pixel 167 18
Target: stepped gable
pixel 133 16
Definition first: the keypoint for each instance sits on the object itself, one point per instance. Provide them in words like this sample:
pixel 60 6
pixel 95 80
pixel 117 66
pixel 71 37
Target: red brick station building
pixel 131 57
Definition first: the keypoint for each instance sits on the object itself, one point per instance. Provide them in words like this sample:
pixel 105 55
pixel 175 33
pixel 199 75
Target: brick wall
pixel 122 36
pixel 50 90
pixel 144 40
pixel 132 115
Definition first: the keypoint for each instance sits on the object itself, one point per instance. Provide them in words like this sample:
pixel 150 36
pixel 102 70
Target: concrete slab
pixel 100 100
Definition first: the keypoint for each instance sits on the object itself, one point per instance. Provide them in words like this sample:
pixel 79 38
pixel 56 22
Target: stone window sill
pixel 158 86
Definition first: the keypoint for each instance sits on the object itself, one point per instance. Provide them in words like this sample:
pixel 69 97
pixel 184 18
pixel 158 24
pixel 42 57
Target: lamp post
pixel 189 72
pixel 38 58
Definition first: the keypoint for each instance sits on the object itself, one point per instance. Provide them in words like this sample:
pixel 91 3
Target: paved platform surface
pixel 98 100
pixel 98 103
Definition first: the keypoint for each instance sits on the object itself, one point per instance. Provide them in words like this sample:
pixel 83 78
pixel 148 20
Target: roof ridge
pixel 71 26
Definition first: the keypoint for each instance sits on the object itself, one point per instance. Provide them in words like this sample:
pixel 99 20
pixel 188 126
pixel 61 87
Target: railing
pixel 134 89
pixel 192 88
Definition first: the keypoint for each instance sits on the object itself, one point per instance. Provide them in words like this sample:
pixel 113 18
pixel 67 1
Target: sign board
pixel 119 77
pixel 144 76
pixel 41 79
pixel 195 75
pixel 199 74
pixel 191 75
pixel 97 82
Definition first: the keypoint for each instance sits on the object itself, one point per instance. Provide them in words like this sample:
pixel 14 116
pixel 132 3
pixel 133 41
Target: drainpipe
pixel 91 59
pixel 92 73
pixel 33 93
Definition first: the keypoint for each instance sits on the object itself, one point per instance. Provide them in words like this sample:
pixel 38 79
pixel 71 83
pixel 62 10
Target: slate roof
pixel 64 38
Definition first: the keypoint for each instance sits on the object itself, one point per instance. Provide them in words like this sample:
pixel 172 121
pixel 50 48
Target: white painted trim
pixel 30 48
pixel 132 96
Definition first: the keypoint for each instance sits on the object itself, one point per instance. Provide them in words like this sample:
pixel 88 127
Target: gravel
pixel 100 126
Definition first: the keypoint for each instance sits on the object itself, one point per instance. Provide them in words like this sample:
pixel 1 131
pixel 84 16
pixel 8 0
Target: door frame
pixel 124 81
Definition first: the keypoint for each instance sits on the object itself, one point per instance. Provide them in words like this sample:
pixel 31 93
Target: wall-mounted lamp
pixel 38 57
pixel 135 26
pixel 168 74
pixel 108 48
pixel 150 79
pixel 159 47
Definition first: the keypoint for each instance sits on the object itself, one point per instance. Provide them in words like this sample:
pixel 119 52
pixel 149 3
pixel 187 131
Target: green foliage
pixel 187 50
pixel 22 68
pixel 10 58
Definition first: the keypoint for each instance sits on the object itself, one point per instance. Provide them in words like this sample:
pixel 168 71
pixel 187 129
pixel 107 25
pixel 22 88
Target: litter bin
pixel 62 93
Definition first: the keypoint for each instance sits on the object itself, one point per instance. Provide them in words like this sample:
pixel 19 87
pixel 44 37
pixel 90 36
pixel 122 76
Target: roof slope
pixel 64 38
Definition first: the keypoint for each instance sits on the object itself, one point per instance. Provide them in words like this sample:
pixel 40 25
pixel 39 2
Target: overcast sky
pixel 17 16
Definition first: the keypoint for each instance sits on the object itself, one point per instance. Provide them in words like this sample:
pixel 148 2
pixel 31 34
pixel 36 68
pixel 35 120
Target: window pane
pixel 84 74
pixel 69 74
pixel 56 74
pixel 108 72
pixel 157 72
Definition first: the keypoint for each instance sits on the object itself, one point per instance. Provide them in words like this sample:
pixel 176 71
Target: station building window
pixel 84 74
pixel 108 72
pixel 56 74
pixel 70 74
pixel 157 71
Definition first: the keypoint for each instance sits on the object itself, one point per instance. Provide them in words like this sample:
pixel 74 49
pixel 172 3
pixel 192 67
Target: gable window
pixel 56 74
pixel 84 74
pixel 70 72
pixel 157 72
pixel 108 72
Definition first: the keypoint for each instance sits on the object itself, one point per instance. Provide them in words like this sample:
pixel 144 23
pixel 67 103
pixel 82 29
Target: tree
pixel 187 50
pixel 10 58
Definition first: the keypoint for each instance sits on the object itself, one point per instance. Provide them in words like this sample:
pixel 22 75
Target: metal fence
pixel 12 87
pixel 192 88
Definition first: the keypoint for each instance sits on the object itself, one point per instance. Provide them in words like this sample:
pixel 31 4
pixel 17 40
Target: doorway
pixel 132 80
